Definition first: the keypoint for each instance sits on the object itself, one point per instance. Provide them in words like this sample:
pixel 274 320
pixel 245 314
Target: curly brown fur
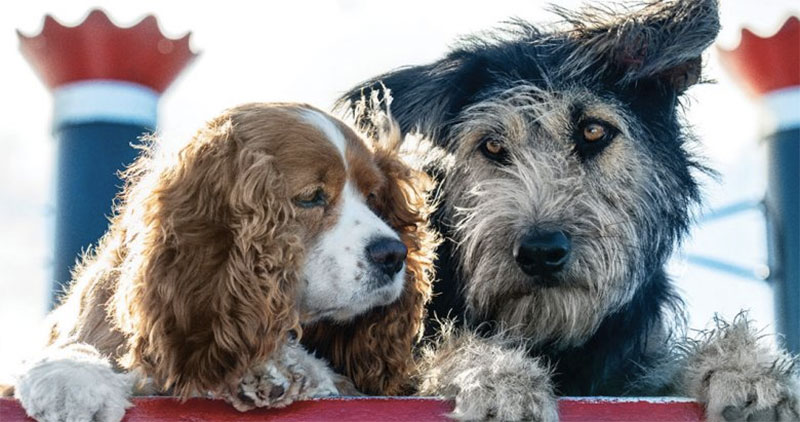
pixel 197 275
pixel 226 273
pixel 204 272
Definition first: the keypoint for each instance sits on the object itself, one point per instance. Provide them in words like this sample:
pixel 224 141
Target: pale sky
pixel 311 52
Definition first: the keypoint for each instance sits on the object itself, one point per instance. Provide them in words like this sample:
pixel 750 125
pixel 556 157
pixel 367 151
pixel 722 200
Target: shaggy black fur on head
pixel 653 51
pixel 643 60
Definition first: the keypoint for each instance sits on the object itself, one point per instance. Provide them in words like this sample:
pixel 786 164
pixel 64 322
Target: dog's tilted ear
pixel 426 98
pixel 661 41
pixel 216 269
pixel 376 349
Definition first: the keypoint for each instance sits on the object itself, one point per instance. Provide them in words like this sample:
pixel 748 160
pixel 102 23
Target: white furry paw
pixel 738 376
pixel 290 376
pixel 769 395
pixel 489 378
pixel 513 390
pixel 74 389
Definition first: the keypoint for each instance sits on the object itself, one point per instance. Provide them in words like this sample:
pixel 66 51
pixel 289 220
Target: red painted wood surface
pixel 767 64
pixel 162 409
pixel 98 49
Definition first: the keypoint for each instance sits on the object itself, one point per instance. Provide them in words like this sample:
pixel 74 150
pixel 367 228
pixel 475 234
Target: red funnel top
pixel 98 49
pixel 767 64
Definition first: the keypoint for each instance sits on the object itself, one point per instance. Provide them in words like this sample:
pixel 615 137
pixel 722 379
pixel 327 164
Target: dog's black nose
pixel 542 253
pixel 387 254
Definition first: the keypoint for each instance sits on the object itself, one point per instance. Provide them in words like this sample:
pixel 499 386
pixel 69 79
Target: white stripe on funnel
pixel 107 101
pixel 784 106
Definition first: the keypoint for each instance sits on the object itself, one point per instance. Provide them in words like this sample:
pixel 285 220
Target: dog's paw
pixel 735 395
pixel 290 376
pixel 269 385
pixel 488 378
pixel 68 390
pixel 515 389
pixel 739 376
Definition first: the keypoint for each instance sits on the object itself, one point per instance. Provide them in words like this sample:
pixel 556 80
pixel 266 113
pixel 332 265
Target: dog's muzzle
pixel 542 253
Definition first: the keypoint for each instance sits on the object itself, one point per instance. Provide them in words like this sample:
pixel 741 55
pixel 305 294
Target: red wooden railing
pixel 600 409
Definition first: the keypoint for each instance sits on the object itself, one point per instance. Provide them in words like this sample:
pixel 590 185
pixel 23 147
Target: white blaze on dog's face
pixel 343 277
pixel 354 260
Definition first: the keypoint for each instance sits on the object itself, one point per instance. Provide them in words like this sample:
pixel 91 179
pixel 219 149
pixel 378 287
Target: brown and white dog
pixel 276 222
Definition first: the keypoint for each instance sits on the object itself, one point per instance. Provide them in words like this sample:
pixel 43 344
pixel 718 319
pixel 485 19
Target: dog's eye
pixel 494 150
pixel 594 132
pixel 316 199
pixel 592 136
pixel 372 201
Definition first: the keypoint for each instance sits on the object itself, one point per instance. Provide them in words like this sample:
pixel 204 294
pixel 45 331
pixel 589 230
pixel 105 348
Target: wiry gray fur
pixel 609 321
pixel 489 377
pixel 740 375
pixel 545 187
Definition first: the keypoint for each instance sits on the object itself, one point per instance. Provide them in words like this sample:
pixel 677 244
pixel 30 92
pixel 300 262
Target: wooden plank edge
pixel 390 409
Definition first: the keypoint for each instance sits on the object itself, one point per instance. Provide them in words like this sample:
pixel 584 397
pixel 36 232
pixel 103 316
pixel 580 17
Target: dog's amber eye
pixel 592 136
pixel 494 150
pixel 316 198
pixel 494 147
pixel 593 132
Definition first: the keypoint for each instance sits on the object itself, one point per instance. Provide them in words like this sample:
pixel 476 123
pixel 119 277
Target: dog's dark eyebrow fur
pixel 576 111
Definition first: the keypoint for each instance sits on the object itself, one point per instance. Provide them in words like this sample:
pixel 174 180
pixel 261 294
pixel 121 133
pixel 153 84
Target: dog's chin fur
pixel 610 315
pixel 375 297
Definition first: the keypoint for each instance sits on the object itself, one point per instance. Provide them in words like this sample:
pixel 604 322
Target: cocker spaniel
pixel 275 242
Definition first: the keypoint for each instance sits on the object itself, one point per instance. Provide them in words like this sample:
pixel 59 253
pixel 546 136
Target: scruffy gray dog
pixel 565 182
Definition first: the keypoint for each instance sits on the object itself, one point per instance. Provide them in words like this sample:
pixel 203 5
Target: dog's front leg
pixel 488 379
pixel 738 377
pixel 73 383
pixel 291 374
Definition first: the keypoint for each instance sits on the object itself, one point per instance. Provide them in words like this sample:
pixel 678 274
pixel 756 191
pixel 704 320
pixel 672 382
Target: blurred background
pixel 313 51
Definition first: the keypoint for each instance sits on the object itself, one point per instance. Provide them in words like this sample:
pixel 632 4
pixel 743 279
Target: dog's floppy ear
pixel 215 268
pixel 376 350
pixel 426 98
pixel 662 41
